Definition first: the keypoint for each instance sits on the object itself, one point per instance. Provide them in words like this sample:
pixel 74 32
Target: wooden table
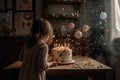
pixel 84 68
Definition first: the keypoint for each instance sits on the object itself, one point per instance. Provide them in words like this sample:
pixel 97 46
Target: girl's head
pixel 41 30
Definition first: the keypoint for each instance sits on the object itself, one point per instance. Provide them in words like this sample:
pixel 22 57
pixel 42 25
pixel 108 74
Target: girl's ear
pixel 49 41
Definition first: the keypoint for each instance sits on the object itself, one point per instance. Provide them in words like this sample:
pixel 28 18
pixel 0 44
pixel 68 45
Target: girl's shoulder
pixel 42 44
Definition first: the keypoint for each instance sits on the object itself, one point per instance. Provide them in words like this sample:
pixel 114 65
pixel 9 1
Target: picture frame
pixel 6 22
pixel 3 5
pixel 9 4
pixel 23 22
pixel 24 4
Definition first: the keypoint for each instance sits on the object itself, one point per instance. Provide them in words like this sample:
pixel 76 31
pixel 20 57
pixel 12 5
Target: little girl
pixel 35 52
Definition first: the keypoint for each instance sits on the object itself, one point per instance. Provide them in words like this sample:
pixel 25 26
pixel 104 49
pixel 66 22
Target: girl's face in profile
pixel 46 38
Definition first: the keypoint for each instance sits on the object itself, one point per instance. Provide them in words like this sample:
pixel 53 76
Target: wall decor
pixel 9 4
pixel 2 5
pixel 27 16
pixel 5 23
pixel 23 4
pixel 23 23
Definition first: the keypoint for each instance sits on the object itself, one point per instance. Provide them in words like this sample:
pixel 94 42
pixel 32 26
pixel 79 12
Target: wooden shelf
pixel 61 17
pixel 24 10
pixel 64 2
pixel 67 3
pixel 74 3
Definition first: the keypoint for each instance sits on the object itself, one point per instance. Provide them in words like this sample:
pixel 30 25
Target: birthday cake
pixel 62 55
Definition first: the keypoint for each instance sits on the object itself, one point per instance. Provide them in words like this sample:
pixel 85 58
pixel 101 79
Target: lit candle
pixel 68 44
pixel 65 44
pixel 58 45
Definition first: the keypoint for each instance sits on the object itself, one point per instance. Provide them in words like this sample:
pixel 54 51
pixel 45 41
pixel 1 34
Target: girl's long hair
pixel 40 29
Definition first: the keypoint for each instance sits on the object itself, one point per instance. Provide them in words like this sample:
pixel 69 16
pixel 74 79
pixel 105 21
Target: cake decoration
pixel 62 54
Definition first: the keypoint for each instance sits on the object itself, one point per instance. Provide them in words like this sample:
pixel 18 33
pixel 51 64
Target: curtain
pixel 115 30
pixel 114 46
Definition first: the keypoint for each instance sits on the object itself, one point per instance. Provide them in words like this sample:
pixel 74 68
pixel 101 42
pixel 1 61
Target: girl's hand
pixel 50 64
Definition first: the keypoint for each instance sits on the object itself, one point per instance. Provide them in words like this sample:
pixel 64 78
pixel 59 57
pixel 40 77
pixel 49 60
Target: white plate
pixel 67 62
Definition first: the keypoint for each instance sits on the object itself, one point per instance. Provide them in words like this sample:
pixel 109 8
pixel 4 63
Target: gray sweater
pixel 34 62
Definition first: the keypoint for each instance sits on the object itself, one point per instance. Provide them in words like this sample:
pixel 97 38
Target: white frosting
pixel 62 54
